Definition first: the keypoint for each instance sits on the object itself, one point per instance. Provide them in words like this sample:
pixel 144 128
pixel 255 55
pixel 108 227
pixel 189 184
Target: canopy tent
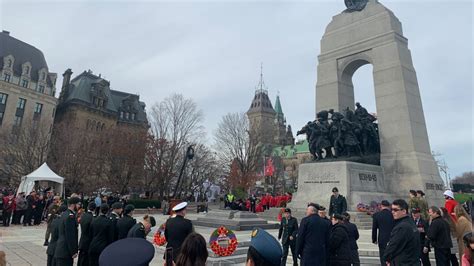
pixel 43 173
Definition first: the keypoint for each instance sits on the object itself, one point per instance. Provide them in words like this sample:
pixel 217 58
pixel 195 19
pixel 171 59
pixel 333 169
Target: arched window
pixel 27 70
pixel 43 76
pixel 9 63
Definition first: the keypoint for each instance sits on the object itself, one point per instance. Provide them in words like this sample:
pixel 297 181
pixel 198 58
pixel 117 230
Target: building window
pixel 9 63
pixel 6 77
pixel 24 83
pixel 121 115
pixel 21 103
pixel 133 116
pixel 17 121
pixel 3 98
pixel 43 76
pixel 41 88
pixel 127 115
pixel 1 117
pixel 38 108
pixel 27 70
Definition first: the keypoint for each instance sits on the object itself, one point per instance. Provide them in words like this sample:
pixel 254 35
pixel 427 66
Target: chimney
pixel 66 77
pixel 6 32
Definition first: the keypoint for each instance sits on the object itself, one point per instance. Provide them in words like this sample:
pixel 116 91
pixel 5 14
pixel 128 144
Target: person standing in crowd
pixel 339 248
pixel 30 200
pixel 264 249
pixel 125 223
pixel 66 246
pixel 52 211
pixel 422 226
pixel 450 203
pixel 413 202
pixel 463 226
pixel 337 204
pixel 322 213
pixel 452 231
pixel 353 233
pixel 54 235
pixel 20 208
pixel 38 212
pixel 382 222
pixel 423 204
pixel 98 203
pixel 468 240
pixel 9 206
pixel 102 231
pixel 253 202
pixel 115 216
pixel 287 234
pixel 177 229
pixel 312 239
pixel 439 237
pixel 403 247
pixel 193 251
pixel 86 234
pixel 141 229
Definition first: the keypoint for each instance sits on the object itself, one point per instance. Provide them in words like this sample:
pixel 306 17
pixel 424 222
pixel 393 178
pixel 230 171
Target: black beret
pixel 385 203
pixel 127 252
pixel 73 200
pixel 335 189
pixel 152 221
pixel 288 210
pixel 117 205
pixel 129 208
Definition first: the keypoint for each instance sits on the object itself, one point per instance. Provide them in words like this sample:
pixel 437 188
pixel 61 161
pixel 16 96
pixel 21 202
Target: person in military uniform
pixel 423 204
pixel 177 229
pixel 141 229
pixel 125 223
pixel 66 246
pixel 264 249
pixel 114 216
pixel 52 214
pixel 129 252
pixel 102 231
pixel 86 237
pixel 338 203
pixel 287 234
pixel 54 228
pixel 413 202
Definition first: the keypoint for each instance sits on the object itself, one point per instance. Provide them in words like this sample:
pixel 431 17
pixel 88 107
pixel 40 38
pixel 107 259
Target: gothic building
pixel 267 124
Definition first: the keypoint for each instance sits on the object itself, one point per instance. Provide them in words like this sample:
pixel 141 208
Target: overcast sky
pixel 211 51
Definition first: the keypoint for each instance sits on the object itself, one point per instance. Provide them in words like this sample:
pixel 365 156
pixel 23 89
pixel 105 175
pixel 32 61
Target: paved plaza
pixel 24 245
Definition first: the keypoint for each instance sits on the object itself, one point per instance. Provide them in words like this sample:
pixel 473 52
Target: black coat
pixel 353 233
pixel 337 205
pixel 124 225
pixel 404 245
pixel 86 237
pixel 422 227
pixel 288 228
pixel 383 222
pixel 339 248
pixel 176 230
pixel 312 239
pixel 137 230
pixel 439 234
pixel 102 232
pixel 54 236
pixel 113 217
pixel 67 246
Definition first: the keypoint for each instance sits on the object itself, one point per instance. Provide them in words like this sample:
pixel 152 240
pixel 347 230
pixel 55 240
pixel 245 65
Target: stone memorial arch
pixel 374 36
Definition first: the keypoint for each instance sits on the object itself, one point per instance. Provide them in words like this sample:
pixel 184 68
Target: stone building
pixel 268 124
pixel 99 135
pixel 27 88
pixel 27 108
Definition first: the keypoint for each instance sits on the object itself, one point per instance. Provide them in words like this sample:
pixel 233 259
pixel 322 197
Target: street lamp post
pixel 189 156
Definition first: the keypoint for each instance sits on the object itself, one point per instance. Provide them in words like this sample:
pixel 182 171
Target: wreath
pixel 223 234
pixel 280 214
pixel 159 237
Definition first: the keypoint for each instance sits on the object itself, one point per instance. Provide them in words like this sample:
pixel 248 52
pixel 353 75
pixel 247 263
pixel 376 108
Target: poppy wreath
pixel 222 234
pixel 159 237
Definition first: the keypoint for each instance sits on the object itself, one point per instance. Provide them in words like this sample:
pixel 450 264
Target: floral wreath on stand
pixel 159 237
pixel 223 234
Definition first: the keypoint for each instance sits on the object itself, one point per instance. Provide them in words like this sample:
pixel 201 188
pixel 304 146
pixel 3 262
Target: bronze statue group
pixel 353 133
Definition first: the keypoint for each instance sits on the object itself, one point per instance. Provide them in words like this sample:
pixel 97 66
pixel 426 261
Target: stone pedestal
pixel 359 183
pixel 234 220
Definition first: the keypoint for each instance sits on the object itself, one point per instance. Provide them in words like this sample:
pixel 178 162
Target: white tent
pixel 43 173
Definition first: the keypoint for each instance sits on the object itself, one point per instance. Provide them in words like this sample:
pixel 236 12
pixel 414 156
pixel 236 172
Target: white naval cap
pixel 180 206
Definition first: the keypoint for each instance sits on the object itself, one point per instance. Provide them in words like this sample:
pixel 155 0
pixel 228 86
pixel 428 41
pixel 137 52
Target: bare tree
pixel 23 150
pixel 176 122
pixel 233 144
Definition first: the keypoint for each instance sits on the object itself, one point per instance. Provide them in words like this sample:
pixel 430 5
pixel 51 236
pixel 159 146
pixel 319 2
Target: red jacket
pixel 9 203
pixel 449 205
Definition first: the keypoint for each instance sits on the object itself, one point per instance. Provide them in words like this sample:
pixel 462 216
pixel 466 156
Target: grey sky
pixel 211 52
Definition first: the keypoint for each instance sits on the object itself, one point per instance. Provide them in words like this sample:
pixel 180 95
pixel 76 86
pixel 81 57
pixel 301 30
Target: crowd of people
pixel 256 203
